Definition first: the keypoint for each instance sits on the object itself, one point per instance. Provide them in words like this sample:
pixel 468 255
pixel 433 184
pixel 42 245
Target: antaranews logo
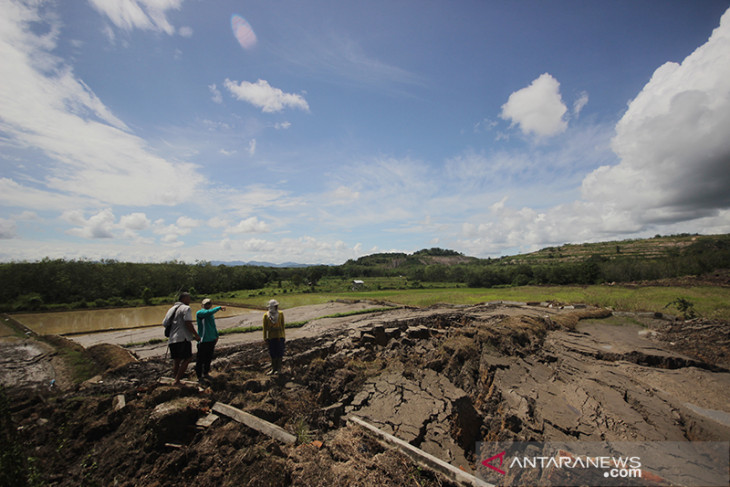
pixel 604 464
pixel 487 463
pixel 614 467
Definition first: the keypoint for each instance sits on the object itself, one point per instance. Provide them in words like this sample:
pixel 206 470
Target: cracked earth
pixel 441 379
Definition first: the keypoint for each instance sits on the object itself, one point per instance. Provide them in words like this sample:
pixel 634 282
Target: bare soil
pixel 440 378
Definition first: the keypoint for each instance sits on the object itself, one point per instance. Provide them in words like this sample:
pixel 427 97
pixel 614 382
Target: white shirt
pixel 178 331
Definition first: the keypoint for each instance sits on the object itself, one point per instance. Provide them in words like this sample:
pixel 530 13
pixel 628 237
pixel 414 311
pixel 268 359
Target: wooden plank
pixel 207 421
pixel 424 458
pixel 253 422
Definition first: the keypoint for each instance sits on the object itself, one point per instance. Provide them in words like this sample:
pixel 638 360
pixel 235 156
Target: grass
pixel 79 362
pixel 709 301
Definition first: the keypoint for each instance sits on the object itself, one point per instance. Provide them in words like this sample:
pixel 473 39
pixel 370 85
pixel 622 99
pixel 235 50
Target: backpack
pixel 169 319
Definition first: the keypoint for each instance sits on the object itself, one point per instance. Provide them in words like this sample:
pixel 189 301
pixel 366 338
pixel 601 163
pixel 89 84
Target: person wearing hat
pixel 274 335
pixel 182 333
pixel 208 338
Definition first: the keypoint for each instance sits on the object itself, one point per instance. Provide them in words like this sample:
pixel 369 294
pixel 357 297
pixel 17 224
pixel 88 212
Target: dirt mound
pixel 441 379
pixel 110 356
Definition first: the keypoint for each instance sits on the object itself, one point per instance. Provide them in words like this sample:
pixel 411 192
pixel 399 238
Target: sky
pixel 320 131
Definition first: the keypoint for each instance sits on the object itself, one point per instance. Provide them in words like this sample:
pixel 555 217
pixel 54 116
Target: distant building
pixel 357 284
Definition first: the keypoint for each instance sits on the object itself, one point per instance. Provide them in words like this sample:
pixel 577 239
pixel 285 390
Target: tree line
pixel 33 285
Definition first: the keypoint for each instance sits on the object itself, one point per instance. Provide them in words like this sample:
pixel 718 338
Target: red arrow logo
pixel 501 459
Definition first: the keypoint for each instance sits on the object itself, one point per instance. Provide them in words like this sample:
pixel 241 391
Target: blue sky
pixel 144 130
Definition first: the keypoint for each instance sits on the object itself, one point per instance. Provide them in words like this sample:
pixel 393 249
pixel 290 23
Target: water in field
pixel 89 321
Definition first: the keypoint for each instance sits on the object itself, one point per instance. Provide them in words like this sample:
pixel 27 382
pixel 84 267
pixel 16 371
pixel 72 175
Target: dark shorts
pixel 181 350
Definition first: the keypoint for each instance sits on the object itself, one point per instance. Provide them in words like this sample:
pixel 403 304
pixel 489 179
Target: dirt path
pixel 312 314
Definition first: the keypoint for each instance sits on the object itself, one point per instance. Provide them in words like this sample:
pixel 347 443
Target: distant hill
pixel 424 257
pixel 655 248
pixel 253 263
pixel 658 247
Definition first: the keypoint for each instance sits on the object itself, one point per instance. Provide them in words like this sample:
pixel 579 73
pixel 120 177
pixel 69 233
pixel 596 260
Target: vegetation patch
pixel 81 364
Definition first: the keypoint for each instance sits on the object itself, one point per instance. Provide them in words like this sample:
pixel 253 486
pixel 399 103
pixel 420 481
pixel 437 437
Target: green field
pixel 707 301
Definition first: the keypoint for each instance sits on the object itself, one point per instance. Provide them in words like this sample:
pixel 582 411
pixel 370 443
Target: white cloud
pixel 91 153
pixel 135 221
pixel 172 232
pixel 580 103
pixel 218 222
pixel 265 96
pixel 100 225
pixel 185 31
pixel 343 195
pixel 138 14
pixel 217 97
pixel 252 147
pixel 673 142
pixel 7 229
pixel 13 194
pixel 249 225
pixel 29 216
pixel 282 125
pixel 538 109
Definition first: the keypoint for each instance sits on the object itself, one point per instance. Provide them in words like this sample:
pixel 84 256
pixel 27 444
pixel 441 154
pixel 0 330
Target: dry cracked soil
pixel 442 379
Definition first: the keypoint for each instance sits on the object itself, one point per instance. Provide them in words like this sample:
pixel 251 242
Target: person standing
pixel 182 333
pixel 274 335
pixel 208 338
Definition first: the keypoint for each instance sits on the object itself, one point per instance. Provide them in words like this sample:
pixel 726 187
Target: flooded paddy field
pixel 95 320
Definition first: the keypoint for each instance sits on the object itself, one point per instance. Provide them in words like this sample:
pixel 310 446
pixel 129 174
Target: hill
pixel 658 247
pixel 655 248
pixel 423 257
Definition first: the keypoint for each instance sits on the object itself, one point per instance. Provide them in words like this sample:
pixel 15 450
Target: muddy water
pixel 88 321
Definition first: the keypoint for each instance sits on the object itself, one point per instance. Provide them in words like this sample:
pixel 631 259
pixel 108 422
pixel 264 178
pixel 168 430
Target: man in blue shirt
pixel 208 338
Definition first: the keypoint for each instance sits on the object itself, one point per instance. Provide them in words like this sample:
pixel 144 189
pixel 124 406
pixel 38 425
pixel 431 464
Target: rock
pixel 367 339
pixel 380 337
pixel 118 402
pixel 174 421
pixel 418 332
pixel 393 333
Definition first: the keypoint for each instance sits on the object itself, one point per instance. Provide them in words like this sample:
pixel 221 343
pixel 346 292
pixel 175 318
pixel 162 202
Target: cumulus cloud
pixel 249 225
pixel 538 109
pixel 261 94
pixel 139 14
pixel 100 225
pixel 135 221
pixel 673 141
pixel 172 232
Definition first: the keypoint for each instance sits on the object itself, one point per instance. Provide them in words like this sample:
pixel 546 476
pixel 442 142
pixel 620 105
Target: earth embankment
pixel 441 379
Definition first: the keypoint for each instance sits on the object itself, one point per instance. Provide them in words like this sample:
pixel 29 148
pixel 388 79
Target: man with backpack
pixel 179 322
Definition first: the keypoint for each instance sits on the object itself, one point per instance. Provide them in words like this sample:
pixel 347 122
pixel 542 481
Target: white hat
pixel 273 303
pixel 206 301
